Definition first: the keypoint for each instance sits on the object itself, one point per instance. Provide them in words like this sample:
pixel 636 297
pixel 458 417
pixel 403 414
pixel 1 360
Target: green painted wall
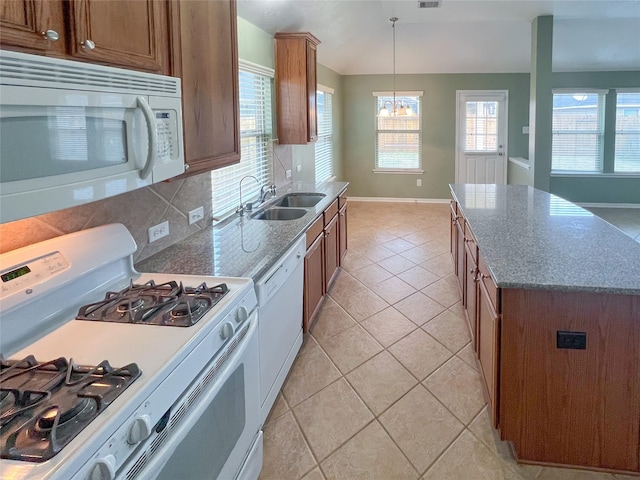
pixel 255 45
pixel 438 129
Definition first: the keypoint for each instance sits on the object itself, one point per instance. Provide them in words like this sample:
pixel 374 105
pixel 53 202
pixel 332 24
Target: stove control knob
pixel 242 314
pixel 226 331
pixel 103 469
pixel 139 429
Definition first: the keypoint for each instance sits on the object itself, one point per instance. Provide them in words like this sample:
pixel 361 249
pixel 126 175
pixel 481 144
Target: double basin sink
pixel 289 207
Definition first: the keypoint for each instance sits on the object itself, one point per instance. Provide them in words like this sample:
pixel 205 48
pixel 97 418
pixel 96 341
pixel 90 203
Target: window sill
pixel 399 171
pixel 594 175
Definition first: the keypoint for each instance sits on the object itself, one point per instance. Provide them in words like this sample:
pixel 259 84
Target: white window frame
pixel 600 132
pixel 417 170
pixel 324 144
pixel 620 132
pixel 225 181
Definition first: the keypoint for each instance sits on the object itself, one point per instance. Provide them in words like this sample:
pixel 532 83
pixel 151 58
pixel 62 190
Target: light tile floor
pixel 626 219
pixel 386 386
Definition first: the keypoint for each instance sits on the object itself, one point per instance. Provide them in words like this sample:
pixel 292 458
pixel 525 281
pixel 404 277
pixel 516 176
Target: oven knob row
pixel 242 314
pixel 226 331
pixel 139 429
pixel 103 469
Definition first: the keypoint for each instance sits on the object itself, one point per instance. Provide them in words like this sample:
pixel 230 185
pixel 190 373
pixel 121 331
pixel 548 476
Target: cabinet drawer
pixel 314 230
pixel 493 292
pixel 342 199
pixel 331 211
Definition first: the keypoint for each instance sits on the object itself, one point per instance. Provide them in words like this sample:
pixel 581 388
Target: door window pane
pixel 481 126
pixel 627 158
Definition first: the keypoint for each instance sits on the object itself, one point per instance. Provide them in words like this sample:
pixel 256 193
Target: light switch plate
pixel 158 231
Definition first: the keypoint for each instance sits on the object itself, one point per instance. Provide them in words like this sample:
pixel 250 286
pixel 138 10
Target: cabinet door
pixel 488 349
pixel 453 244
pixel 206 58
pixel 312 87
pixel 471 292
pixel 32 25
pixel 342 229
pixel 128 34
pixel 331 248
pixel 460 254
pixel 314 287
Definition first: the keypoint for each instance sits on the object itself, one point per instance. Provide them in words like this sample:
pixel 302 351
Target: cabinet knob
pixel 88 44
pixel 50 35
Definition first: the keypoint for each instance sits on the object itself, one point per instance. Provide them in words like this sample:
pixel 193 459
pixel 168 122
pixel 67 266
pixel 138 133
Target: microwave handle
pixel 153 137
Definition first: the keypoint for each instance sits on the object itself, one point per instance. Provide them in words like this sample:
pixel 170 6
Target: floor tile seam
pixel 465 424
pixel 306 441
pixel 435 460
pixel 413 374
pixel 481 440
pixel 439 303
pixel 396 443
pixel 396 400
pixel 362 284
pixel 448 349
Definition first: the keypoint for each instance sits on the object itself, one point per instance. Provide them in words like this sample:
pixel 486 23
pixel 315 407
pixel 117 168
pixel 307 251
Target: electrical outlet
pixel 196 215
pixel 418 182
pixel 158 231
pixel 573 340
pixel 298 168
pixel 288 173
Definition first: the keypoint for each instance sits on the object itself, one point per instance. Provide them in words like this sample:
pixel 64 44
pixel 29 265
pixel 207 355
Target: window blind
pixel 627 156
pixel 578 132
pixel 255 146
pixel 398 138
pixel 324 143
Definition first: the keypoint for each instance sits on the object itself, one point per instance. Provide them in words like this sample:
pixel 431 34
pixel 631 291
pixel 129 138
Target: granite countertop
pixel 532 239
pixel 240 246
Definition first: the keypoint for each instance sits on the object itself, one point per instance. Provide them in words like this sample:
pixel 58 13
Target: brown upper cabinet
pixel 205 57
pixel 122 34
pixel 296 84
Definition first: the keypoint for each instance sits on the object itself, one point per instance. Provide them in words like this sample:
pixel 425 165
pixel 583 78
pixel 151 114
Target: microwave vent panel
pixel 37 71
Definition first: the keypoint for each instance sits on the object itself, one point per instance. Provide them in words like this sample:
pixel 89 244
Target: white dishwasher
pixel 279 293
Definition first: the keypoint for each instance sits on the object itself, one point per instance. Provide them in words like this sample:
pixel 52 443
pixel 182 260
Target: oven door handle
pixel 143 105
pixel 161 456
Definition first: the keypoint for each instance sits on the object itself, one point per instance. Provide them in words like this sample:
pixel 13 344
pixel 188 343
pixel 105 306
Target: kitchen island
pixel 552 296
pixel 241 246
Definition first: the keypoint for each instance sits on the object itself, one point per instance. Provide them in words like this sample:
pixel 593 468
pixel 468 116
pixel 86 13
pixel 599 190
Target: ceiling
pixel 461 36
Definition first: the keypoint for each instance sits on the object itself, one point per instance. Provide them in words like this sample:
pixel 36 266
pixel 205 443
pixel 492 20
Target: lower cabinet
pixel 488 343
pixel 326 246
pixel 471 290
pixel 314 286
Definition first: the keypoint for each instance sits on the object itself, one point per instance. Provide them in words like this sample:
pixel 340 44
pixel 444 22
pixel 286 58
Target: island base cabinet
pixel 488 344
pixel 565 405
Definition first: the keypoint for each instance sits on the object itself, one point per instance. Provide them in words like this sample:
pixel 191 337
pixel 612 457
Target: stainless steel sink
pixel 299 200
pixel 275 213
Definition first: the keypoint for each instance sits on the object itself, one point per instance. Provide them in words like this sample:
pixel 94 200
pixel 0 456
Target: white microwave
pixel 72 133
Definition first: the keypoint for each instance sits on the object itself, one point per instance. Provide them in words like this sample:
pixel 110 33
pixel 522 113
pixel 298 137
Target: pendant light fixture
pixel 398 108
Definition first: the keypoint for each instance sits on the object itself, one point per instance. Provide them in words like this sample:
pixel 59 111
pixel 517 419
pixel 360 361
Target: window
pixel 324 144
pixel 578 132
pixel 255 143
pixel 481 126
pixel 627 157
pixel 398 138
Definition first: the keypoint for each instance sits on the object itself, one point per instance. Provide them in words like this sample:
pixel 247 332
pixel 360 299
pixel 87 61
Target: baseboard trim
pixel 607 205
pixel 397 200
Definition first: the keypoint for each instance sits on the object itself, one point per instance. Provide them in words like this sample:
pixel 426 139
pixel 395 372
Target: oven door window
pixel 205 450
pixel 40 142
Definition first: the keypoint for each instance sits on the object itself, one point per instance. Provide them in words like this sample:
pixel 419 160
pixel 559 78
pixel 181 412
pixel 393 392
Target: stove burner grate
pixel 43 406
pixel 168 303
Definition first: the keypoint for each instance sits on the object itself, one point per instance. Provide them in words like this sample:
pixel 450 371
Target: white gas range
pixel 178 394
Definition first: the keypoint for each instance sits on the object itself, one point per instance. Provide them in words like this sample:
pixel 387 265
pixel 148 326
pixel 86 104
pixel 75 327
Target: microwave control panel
pixel 167 132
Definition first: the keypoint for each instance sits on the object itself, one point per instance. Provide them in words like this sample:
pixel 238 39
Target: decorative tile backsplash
pixel 138 210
